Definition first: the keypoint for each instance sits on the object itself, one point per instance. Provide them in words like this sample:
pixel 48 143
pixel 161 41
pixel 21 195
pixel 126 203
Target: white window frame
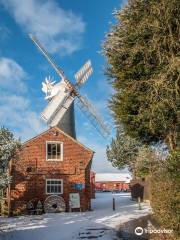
pixel 61 149
pixel 54 179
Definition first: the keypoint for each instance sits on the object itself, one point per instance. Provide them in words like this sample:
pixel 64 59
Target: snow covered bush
pixel 8 150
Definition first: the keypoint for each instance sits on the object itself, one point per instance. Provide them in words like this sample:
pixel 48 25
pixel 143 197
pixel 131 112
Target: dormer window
pixel 54 151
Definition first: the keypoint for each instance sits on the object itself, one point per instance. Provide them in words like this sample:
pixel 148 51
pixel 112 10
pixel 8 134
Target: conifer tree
pixel 8 150
pixel 143 55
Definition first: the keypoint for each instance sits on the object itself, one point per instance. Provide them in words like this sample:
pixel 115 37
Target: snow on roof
pixel 113 177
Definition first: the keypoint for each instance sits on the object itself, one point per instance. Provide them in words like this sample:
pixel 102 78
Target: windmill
pixel 61 96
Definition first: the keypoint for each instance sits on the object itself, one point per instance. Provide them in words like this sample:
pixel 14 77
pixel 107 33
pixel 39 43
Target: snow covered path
pixel 101 223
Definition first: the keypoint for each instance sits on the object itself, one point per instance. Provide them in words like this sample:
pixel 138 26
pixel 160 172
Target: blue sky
pixel 72 31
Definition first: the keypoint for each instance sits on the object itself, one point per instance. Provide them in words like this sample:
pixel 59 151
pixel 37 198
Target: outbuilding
pixel 112 181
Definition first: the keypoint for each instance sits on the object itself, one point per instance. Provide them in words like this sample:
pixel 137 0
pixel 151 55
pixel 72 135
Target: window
pixel 54 151
pixel 54 186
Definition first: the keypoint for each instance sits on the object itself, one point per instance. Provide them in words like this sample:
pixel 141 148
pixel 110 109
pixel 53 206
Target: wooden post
pixel 139 203
pixel 114 205
pixel 70 209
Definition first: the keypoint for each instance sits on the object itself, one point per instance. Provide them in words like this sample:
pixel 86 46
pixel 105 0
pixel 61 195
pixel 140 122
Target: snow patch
pixel 101 223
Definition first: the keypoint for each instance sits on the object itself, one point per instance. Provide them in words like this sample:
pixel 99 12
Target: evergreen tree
pixel 8 150
pixel 143 55
pixel 140 159
pixel 122 151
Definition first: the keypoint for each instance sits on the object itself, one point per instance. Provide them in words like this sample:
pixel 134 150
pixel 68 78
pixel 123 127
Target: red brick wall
pixel 111 186
pixel 75 168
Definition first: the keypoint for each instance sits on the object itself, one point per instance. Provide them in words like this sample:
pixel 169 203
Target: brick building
pixel 52 163
pixel 112 181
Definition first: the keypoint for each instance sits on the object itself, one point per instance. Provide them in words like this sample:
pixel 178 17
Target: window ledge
pixel 54 160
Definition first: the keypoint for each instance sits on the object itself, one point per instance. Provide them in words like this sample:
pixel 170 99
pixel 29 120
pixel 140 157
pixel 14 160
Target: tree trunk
pixel 171 141
pixel 9 191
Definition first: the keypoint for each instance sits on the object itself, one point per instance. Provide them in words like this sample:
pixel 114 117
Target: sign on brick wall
pixel 78 186
pixel 74 200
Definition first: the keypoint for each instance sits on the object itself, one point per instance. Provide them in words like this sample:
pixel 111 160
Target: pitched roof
pixel 113 177
pixel 65 134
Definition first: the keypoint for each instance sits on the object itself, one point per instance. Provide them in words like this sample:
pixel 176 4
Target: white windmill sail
pixel 84 73
pixel 94 117
pixel 61 111
pixel 61 102
pixel 52 107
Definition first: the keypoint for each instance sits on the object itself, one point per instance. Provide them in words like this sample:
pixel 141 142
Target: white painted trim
pixel 54 179
pixel 61 147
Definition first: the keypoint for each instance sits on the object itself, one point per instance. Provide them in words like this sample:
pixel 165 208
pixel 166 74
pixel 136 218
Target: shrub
pixel 165 194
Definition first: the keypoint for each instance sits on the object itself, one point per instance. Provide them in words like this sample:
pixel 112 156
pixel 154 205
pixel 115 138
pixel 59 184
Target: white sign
pixel 74 199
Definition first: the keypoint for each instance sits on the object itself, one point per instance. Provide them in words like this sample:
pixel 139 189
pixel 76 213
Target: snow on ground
pixel 101 223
